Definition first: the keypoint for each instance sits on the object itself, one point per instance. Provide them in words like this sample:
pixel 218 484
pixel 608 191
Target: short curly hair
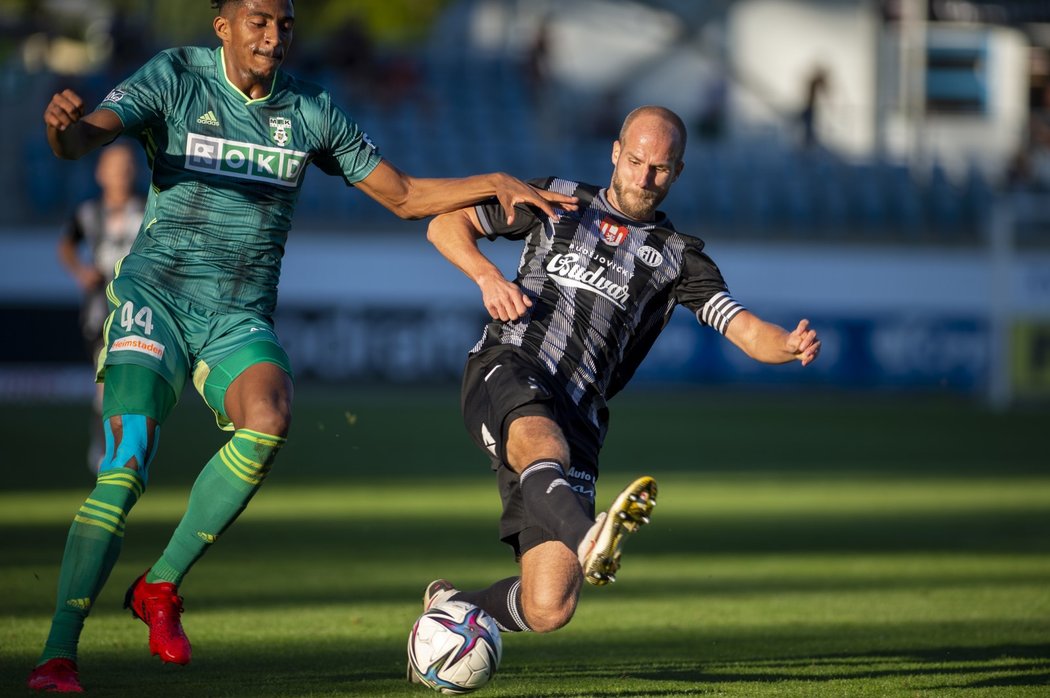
pixel 220 5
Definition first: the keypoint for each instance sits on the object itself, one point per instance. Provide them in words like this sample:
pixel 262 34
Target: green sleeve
pixel 347 151
pixel 139 99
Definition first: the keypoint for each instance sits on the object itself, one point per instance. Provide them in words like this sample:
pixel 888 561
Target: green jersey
pixel 226 173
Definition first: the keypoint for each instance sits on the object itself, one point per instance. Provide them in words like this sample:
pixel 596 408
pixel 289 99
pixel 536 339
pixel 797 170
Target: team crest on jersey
pixel 650 256
pixel 279 128
pixel 612 232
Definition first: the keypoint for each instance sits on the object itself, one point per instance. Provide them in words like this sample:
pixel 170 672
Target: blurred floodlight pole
pixel 913 70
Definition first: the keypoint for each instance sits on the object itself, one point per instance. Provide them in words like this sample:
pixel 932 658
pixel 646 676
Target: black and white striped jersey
pixel 603 287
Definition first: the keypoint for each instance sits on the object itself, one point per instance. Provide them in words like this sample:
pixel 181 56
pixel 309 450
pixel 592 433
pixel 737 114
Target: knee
pixel 546 612
pixel 272 419
pixel 533 438
pixel 260 399
pixel 131 444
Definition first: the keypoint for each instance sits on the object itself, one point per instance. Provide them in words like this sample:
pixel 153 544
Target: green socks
pixel 220 494
pixel 92 548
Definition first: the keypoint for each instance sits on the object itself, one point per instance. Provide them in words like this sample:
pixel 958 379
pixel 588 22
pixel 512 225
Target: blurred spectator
pixel 537 72
pixel 606 116
pixel 537 61
pixel 362 71
pixel 104 228
pixel 815 88
pixel 349 52
pixel 398 81
pixel 132 45
pixel 711 116
pixel 1030 167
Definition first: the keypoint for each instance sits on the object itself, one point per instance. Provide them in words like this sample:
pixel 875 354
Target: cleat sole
pixel 632 509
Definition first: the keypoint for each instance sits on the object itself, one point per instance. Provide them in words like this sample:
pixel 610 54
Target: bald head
pixel 652 117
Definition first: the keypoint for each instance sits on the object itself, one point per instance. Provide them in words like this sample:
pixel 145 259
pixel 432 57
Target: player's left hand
pixel 510 192
pixel 803 343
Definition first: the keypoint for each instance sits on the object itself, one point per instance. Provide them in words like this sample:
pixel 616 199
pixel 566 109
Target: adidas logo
pixel 82 604
pixel 207 537
pixel 208 119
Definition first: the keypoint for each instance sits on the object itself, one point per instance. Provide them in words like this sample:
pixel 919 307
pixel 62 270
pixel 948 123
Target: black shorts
pixel 501 384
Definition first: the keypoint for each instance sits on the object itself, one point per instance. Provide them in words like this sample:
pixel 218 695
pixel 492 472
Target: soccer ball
pixel 454 647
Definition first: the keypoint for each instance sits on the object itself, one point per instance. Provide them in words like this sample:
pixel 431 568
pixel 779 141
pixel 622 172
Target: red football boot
pixel 158 606
pixel 55 676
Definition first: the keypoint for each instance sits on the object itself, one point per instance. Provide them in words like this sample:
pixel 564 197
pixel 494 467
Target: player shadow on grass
pixel 361 669
pixel 1028 665
pixel 365 547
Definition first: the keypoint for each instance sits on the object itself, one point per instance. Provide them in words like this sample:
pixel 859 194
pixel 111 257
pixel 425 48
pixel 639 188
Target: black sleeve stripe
pixel 718 311
pixel 483 218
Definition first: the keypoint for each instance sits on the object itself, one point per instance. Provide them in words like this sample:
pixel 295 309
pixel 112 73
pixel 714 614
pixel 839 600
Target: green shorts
pixel 176 339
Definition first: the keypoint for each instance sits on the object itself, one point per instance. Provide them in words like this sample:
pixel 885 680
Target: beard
pixel 274 59
pixel 636 203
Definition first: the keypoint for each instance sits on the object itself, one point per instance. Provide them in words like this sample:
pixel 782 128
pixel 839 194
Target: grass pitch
pixel 803 546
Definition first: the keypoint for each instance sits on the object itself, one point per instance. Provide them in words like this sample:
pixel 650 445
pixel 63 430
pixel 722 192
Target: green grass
pixel 802 546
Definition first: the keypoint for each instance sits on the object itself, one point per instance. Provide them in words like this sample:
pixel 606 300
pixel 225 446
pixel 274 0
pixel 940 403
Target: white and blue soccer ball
pixel 454 647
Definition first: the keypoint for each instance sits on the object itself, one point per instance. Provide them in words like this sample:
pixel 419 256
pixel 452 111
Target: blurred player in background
pixel 105 227
pixel 228 136
pixel 594 289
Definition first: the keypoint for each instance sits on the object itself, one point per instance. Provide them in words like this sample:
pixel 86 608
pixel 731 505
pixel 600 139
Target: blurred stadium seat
pixel 471 115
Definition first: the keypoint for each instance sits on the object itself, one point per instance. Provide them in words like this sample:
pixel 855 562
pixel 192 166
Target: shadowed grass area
pixel 773 567
pixel 405 433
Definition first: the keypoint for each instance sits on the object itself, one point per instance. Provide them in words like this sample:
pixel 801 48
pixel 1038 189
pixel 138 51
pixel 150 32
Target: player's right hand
pixel 511 191
pixel 503 299
pixel 65 109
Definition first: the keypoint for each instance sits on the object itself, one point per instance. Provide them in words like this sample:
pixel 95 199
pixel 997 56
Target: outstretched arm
pixel 455 235
pixel 414 197
pixel 772 344
pixel 72 135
